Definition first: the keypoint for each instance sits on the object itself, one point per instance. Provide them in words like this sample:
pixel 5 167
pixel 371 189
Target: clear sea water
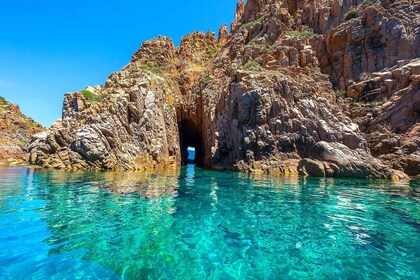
pixel 198 224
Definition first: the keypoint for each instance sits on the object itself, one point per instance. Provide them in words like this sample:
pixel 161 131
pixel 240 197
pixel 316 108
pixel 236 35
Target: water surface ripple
pixel 198 224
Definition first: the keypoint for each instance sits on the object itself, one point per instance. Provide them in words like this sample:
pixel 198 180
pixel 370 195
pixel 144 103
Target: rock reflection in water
pixel 208 224
pixel 126 210
pixel 148 184
pixel 145 184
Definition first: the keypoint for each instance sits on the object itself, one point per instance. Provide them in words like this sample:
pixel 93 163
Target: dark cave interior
pixel 190 137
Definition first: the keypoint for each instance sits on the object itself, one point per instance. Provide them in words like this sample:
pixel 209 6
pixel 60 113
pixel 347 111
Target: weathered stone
pixel 16 130
pixel 259 99
pixel 313 167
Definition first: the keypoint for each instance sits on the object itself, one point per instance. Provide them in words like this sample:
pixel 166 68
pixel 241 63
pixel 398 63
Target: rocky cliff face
pixel 262 98
pixel 372 56
pixel 16 130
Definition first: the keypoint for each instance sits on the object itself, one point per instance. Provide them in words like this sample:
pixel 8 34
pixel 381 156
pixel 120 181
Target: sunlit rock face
pixel 271 95
pixel 16 130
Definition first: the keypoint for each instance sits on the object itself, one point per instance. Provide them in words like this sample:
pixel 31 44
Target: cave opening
pixel 191 143
pixel 191 155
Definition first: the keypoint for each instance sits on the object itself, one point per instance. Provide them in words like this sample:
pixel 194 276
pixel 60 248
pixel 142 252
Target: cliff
pixel 311 87
pixel 16 130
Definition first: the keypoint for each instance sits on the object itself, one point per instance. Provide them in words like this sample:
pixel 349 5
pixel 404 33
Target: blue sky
pixel 50 47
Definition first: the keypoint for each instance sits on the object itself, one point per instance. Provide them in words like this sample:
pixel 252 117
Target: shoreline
pixel 172 168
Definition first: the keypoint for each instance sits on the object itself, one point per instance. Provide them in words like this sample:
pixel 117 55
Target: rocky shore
pixel 324 88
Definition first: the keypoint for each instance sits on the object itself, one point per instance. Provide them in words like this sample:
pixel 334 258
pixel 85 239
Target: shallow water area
pixel 191 223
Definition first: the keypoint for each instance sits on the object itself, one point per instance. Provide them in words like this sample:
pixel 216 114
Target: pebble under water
pixel 191 223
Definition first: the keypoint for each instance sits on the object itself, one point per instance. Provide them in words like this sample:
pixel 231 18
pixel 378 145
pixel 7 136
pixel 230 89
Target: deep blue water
pixel 200 224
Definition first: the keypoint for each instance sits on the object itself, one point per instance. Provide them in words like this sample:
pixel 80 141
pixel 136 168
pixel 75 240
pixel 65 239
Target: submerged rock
pixel 258 99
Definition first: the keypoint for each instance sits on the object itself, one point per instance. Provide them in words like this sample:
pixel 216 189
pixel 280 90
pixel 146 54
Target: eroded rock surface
pixel 388 113
pixel 128 123
pixel 260 98
pixel 372 57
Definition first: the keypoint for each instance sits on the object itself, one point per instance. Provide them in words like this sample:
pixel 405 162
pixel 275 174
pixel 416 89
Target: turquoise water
pixel 199 224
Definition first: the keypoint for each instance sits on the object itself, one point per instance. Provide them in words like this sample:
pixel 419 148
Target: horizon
pixel 41 61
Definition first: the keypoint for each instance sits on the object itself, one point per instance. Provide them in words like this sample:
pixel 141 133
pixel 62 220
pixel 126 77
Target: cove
pixel 191 223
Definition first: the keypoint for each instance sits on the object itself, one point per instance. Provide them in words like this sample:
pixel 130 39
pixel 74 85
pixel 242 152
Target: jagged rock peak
pixel 156 51
pixel 223 35
pixel 240 7
pixel 192 45
pixel 198 37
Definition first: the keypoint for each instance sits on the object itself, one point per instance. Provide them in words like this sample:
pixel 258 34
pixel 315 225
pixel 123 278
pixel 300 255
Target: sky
pixel 51 47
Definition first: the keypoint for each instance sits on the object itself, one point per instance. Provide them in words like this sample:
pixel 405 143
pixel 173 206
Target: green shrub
pixel 251 65
pixel 260 19
pixel 350 15
pixel 3 101
pixel 213 51
pixel 299 34
pixel 155 70
pixel 31 122
pixel 91 97
pixel 248 24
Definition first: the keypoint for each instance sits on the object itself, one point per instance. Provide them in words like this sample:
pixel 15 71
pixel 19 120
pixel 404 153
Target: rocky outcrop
pixel 223 35
pixel 260 99
pixel 372 37
pixel 131 121
pixel 387 111
pixel 16 130
pixel 370 53
pixel 128 123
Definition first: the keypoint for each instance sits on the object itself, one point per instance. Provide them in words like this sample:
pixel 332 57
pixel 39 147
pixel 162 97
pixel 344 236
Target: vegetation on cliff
pixel 16 130
pixel 260 98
